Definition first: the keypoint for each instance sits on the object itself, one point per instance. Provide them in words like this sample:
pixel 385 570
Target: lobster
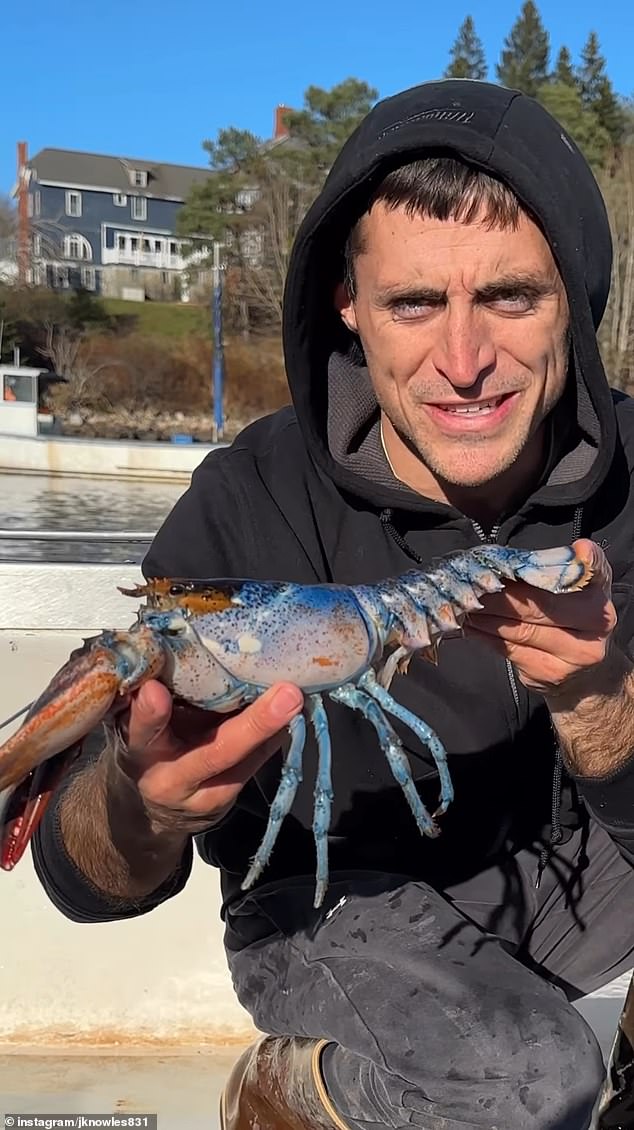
pixel 218 644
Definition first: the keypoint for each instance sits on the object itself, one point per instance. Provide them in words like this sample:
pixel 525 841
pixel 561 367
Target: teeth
pixel 473 409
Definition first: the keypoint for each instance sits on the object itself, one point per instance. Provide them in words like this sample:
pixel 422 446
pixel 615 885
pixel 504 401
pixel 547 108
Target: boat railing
pixel 18 534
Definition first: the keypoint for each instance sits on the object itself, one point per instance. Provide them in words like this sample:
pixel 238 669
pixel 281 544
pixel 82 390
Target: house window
pixel 77 247
pixel 251 245
pixel 139 208
pixel 61 277
pixel 173 249
pixel 73 203
pixel 139 178
pixel 247 197
pixel 120 199
pixel 88 278
pixel 37 244
pixel 121 243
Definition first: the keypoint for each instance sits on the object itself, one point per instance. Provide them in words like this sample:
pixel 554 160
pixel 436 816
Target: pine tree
pixel 591 70
pixel 564 71
pixel 563 101
pixel 597 92
pixel 610 113
pixel 467 54
pixel 524 60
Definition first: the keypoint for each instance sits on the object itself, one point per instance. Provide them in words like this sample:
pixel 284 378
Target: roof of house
pixel 97 170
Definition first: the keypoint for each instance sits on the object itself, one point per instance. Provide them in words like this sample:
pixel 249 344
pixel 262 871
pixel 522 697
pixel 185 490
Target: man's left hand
pixel 558 643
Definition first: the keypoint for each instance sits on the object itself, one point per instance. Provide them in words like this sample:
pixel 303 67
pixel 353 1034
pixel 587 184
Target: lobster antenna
pixel 16 715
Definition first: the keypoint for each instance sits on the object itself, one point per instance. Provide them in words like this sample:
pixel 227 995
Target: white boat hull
pixel 100 458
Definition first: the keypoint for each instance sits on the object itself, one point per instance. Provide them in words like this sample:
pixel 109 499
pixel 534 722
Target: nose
pixel 464 350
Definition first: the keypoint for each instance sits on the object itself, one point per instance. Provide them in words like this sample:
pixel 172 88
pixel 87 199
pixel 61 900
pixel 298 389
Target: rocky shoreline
pixel 149 426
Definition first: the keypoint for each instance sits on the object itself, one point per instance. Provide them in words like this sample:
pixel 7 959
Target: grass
pixel 164 319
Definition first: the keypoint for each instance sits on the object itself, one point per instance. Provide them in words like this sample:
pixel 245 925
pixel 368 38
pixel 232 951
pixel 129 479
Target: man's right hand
pixel 189 765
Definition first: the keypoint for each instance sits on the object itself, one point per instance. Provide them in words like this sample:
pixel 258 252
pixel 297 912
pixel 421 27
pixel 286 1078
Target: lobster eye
pixel 177 590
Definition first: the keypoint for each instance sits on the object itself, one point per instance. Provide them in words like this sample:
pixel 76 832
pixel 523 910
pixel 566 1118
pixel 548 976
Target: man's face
pixel 465 335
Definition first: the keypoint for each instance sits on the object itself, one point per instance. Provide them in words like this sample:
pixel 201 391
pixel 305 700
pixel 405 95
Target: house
pixel 107 223
pixel 104 223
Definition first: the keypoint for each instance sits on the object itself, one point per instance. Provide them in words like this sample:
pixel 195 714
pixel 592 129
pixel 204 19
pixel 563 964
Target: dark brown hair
pixel 440 188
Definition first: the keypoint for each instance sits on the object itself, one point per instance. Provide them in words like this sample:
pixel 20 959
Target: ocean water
pixel 55 503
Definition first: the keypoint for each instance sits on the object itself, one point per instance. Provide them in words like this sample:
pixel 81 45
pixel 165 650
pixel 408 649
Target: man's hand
pixel 558 643
pixel 562 645
pixel 189 765
pixel 169 773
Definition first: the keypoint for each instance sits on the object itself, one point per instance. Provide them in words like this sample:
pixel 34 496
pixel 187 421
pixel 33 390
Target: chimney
pixel 23 213
pixel 281 130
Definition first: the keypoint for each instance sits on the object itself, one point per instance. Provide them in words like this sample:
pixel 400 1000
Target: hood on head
pixel 503 132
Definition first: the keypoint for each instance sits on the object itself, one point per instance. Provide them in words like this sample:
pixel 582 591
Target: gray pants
pixel 444 1010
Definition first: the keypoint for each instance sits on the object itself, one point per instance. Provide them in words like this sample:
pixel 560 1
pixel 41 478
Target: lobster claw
pixel 25 804
pixel 79 696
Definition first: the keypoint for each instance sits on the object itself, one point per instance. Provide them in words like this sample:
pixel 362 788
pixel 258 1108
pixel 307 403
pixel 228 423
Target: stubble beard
pixel 453 471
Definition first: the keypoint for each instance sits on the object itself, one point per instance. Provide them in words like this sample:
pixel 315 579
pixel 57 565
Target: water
pixel 29 502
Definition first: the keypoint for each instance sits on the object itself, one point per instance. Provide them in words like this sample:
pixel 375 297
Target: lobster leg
pixel 358 699
pixel 421 729
pixel 287 789
pixel 323 793
pixel 283 799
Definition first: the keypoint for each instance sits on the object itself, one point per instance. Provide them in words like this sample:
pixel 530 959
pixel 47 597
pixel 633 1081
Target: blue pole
pixel 219 357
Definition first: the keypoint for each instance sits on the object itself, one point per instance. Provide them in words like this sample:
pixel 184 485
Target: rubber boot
pixel 277 1085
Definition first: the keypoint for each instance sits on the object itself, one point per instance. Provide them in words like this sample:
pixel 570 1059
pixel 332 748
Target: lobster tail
pixel 557 570
pixel 417 609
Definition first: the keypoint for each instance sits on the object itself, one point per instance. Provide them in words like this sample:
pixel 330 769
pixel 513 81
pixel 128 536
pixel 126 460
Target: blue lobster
pixel 218 644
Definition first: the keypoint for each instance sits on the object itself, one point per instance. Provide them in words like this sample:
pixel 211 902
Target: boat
pixel 30 441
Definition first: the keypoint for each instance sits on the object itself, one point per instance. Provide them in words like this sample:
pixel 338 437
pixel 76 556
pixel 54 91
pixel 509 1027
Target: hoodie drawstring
pixel 387 523
pixel 556 832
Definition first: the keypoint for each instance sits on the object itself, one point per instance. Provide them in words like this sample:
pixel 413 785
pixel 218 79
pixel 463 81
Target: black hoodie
pixel 307 495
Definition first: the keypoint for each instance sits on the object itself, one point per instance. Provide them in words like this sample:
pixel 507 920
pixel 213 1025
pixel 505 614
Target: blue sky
pixel 153 79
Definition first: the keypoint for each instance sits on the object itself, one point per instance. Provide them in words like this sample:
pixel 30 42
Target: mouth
pixel 478 415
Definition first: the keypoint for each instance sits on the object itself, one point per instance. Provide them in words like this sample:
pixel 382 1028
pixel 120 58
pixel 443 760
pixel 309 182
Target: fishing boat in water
pixel 30 440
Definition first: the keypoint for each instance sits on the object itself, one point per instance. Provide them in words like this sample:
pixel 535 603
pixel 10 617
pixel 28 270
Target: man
pixel 440 335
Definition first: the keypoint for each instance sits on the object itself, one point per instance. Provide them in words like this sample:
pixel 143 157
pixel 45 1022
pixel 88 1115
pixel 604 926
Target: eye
pixel 411 308
pixel 177 590
pixel 515 303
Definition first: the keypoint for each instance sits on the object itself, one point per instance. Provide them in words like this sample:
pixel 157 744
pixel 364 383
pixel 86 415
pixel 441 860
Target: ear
pixel 345 307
